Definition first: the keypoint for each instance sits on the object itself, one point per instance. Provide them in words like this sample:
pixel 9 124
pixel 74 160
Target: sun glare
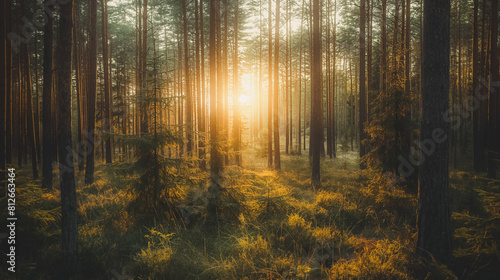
pixel 246 89
pixel 244 100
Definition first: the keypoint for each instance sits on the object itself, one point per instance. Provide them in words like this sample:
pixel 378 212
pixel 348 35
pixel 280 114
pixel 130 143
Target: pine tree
pixel 433 222
pixel 66 166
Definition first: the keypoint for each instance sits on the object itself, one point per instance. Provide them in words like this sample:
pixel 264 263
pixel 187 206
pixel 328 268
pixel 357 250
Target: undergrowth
pixel 271 225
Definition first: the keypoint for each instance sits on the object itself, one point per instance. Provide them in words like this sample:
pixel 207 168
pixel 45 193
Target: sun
pixel 244 100
pixel 246 89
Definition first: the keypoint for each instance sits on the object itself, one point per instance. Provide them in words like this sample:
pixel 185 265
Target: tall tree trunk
pixel 433 222
pixel 299 115
pixel 79 93
pixel 200 95
pixel 286 97
pixel 107 90
pixel 236 94
pixel 36 108
pixel 29 110
pixel 8 90
pixel 334 74
pixel 383 46
pixel 91 94
pixel 483 102
pixel 277 158
pixel 189 97
pixel 494 104
pixel 144 73
pixel 20 122
pixel 215 160
pixel 3 94
pixel 407 48
pixel 270 94
pixel 225 69
pixel 362 87
pixel 328 83
pixel 68 188
pixel 316 96
pixel 203 94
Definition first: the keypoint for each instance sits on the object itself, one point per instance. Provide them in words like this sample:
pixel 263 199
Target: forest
pixel 249 139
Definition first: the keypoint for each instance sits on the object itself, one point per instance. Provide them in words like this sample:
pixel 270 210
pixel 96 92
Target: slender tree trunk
pixel 3 94
pixel 79 92
pixel 383 46
pixel 200 98
pixel 362 87
pixel 225 84
pixel 299 115
pixel 107 91
pixel 494 104
pixel 68 188
pixel 316 96
pixel 236 94
pixel 187 76
pixel 277 158
pixel 144 77
pixel 36 108
pixel 407 48
pixel 8 89
pixel 29 109
pixel 215 160
pixel 433 222
pixel 270 94
pixel 286 97
pixel 334 75
pixel 91 94
pixel 483 102
pixel 203 94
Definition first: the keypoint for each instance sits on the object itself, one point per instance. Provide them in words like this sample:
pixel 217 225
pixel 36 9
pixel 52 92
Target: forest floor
pixel 270 225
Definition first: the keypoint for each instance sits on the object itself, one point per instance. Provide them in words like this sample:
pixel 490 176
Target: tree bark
pixel 277 158
pixel 270 94
pixel 362 85
pixel 433 222
pixel 107 91
pixel 187 76
pixel 3 95
pixel 68 188
pixel 316 96
pixel 29 110
pixel 494 103
pixel 91 94
pixel 236 94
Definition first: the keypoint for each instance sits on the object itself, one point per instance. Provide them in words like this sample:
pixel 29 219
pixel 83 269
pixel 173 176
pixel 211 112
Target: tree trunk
pixel 144 74
pixel 433 222
pixel 79 93
pixel 316 96
pixel 29 110
pixel 277 158
pixel 494 104
pixel 299 115
pixel 91 94
pixel 362 86
pixel 189 97
pixel 270 94
pixel 200 95
pixel 236 94
pixel 68 188
pixel 3 95
pixel 383 46
pixel 107 91
pixel 203 94
pixel 215 160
